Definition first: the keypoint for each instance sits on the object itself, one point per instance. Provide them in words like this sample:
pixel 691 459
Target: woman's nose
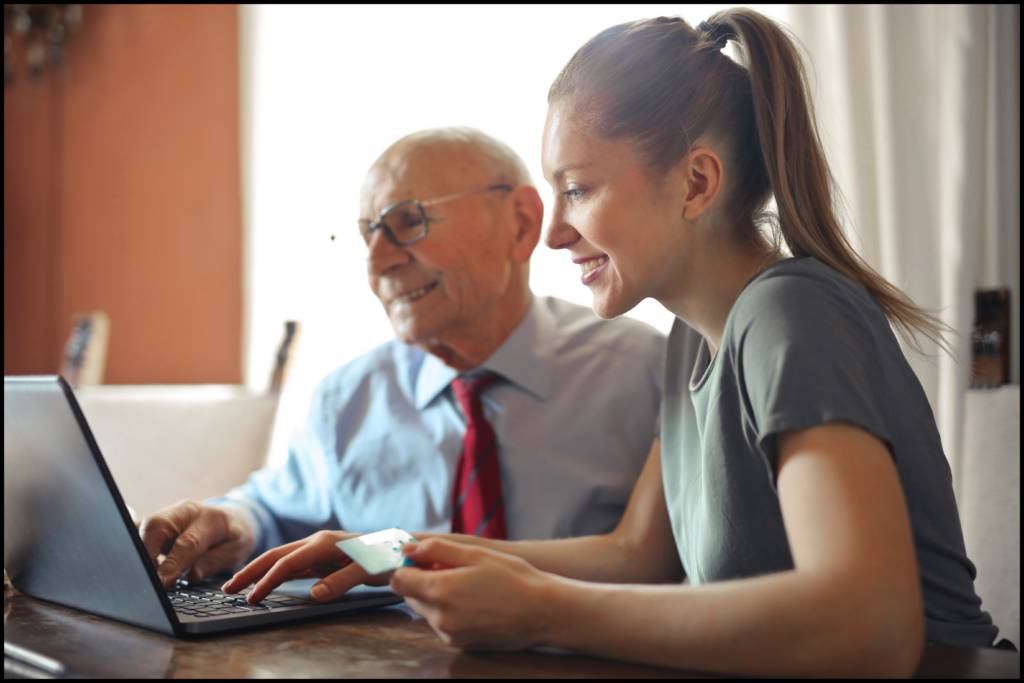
pixel 559 234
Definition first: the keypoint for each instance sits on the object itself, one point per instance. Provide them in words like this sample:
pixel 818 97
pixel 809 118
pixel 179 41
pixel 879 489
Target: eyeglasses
pixel 406 222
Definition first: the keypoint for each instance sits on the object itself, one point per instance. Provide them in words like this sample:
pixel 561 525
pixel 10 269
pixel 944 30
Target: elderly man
pixel 401 436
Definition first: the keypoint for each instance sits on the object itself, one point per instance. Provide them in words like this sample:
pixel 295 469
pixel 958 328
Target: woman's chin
pixel 607 307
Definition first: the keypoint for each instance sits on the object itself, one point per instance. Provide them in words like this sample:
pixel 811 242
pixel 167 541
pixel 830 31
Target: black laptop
pixel 68 537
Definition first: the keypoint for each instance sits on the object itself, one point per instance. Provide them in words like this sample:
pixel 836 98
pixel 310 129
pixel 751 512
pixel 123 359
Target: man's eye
pixel 573 193
pixel 407 221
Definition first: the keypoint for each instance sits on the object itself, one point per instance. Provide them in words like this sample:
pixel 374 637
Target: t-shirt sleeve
pixel 808 355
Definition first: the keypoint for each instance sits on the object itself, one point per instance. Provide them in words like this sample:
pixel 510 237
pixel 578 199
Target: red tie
pixel 477 507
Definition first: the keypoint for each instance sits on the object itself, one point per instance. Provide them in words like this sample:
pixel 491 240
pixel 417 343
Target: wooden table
pixel 390 642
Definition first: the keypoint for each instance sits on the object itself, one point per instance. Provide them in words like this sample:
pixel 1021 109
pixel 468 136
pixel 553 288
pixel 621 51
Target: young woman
pixel 799 486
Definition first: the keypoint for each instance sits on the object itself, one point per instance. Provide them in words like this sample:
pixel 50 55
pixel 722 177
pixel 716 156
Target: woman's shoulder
pixel 795 277
pixel 804 296
pixel 802 282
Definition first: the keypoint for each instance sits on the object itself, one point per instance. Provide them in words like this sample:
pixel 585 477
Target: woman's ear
pixel 702 181
pixel 529 215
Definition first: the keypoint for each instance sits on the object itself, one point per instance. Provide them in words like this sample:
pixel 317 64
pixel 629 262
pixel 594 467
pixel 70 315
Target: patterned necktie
pixel 477 507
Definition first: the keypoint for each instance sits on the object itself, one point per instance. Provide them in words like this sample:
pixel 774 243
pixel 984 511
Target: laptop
pixel 68 537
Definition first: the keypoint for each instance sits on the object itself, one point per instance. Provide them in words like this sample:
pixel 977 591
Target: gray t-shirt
pixel 803 345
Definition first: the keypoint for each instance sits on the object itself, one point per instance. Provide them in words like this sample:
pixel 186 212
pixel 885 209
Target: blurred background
pixel 173 173
pixel 180 169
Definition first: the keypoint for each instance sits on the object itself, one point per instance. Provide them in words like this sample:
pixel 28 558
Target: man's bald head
pixel 452 153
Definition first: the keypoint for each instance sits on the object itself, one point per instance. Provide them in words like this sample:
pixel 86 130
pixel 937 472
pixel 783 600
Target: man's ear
pixel 703 174
pixel 529 215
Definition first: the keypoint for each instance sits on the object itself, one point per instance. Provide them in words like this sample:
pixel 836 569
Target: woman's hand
pixel 475 598
pixel 316 555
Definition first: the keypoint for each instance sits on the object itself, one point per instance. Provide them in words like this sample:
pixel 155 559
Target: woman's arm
pixel 851 606
pixel 639 550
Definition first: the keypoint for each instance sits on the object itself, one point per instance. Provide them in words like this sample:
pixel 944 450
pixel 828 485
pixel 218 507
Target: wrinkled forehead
pixel 422 171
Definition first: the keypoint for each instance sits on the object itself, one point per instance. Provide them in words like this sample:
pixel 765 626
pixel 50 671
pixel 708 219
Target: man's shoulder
pixel 578 326
pixel 388 360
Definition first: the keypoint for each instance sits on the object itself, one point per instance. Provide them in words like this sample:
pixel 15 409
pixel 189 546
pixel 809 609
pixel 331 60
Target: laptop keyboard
pixel 201 601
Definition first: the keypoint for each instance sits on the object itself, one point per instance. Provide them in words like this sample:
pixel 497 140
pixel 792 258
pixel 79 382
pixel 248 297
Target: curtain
pixel 918 108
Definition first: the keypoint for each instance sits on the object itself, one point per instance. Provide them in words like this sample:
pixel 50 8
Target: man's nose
pixel 383 255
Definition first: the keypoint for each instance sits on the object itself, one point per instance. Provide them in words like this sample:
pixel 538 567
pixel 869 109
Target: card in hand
pixel 378 552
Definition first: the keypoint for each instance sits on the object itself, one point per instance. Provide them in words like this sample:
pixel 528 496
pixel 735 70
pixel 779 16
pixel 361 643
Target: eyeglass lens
pixel 405 221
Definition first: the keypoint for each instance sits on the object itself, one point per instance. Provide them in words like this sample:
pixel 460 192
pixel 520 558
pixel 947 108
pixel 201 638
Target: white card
pixel 378 552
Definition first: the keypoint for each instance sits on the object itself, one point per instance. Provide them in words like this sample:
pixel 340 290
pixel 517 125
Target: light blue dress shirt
pixel 575 419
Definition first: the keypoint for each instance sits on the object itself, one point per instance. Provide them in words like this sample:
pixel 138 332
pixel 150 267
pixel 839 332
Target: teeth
pixel 414 294
pixel 588 266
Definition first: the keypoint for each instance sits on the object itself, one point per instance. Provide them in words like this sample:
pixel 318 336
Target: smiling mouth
pixel 593 264
pixel 415 294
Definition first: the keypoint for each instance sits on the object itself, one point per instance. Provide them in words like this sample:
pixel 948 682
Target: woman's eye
pixel 573 193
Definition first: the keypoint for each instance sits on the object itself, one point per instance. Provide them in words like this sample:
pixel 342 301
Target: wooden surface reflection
pixel 389 642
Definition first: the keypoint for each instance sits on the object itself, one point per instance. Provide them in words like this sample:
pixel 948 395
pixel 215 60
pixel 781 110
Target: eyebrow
pixel 568 167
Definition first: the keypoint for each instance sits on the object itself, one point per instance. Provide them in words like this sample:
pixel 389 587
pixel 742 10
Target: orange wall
pixel 122 193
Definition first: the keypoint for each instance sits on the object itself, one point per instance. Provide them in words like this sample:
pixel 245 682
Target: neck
pixel 468 348
pixel 711 285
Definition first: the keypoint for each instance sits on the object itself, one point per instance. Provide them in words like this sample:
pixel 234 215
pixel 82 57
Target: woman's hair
pixel 661 84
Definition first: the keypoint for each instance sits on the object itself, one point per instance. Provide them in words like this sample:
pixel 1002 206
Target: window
pixel 315 116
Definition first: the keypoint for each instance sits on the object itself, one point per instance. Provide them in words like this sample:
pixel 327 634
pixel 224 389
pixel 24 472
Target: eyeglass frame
pixel 420 205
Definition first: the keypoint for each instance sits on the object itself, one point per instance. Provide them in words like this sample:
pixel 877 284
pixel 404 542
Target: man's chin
pixel 413 334
pixel 428 342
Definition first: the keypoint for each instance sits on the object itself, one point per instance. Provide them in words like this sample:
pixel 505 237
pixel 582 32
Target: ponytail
pixel 801 182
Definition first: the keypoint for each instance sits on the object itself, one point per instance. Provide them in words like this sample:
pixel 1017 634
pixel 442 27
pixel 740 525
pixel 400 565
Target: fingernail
pixel 320 591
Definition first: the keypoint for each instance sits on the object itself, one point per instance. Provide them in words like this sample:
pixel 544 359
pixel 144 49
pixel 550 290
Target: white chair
pixel 164 443
pixel 988 495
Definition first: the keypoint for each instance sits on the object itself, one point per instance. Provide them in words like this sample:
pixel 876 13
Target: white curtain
pixel 919 109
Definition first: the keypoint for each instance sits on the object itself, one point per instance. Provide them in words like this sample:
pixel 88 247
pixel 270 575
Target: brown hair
pixel 662 84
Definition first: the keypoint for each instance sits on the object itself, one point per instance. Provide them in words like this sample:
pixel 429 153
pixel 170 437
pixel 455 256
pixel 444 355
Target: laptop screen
pixel 68 537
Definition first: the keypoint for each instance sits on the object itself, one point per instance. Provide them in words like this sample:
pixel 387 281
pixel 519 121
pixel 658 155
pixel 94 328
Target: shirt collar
pixel 526 359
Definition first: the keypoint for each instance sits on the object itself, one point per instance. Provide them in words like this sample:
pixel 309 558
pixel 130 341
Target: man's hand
pixel 316 555
pixel 204 539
